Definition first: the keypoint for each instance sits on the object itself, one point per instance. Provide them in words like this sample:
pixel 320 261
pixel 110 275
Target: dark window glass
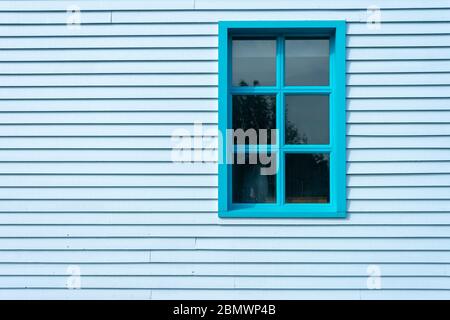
pixel 306 119
pixel 254 180
pixel 253 62
pixel 307 178
pixel 254 112
pixel 307 62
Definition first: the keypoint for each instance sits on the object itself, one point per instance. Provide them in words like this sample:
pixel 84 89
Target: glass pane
pixel 254 112
pixel 254 62
pixel 254 178
pixel 307 119
pixel 307 178
pixel 307 62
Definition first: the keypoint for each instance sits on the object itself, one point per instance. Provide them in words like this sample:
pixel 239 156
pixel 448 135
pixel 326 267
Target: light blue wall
pixel 87 184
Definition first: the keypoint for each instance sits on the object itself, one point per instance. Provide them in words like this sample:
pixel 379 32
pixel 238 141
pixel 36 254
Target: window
pixel 282 119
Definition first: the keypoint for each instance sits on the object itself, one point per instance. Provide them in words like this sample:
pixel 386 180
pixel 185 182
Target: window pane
pixel 253 181
pixel 307 62
pixel 254 112
pixel 307 178
pixel 254 62
pixel 307 119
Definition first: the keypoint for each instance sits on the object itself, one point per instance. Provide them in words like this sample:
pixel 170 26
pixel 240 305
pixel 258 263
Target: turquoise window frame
pixel 335 31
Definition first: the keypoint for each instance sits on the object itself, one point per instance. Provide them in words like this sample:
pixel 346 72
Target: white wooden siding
pixel 86 117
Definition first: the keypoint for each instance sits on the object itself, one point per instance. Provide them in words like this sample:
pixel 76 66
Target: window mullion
pixel 323 90
pixel 307 148
pixel 254 90
pixel 280 120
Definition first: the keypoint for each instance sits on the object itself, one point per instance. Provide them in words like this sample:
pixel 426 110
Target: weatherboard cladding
pixel 86 116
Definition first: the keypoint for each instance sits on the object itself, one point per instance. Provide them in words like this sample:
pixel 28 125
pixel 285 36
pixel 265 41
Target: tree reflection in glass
pixel 307 119
pixel 250 186
pixel 307 178
pixel 254 112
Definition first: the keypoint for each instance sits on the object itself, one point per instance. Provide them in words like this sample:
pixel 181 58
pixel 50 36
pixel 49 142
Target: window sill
pixel 288 211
